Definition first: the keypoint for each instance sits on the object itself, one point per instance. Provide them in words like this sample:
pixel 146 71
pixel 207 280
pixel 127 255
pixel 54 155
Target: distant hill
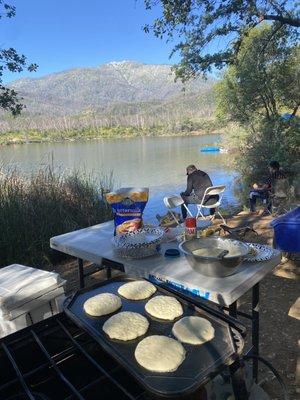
pixel 97 88
pixel 124 93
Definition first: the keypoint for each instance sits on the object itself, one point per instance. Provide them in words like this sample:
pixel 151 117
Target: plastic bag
pixel 128 205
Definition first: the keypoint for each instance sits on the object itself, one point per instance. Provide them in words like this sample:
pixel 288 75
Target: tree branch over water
pixel 207 34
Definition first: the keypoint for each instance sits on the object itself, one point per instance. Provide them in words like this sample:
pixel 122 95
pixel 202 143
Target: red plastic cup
pixel 190 228
pixel 191 222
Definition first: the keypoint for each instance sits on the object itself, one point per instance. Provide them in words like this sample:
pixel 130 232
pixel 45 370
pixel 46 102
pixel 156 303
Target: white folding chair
pixel 174 202
pixel 212 191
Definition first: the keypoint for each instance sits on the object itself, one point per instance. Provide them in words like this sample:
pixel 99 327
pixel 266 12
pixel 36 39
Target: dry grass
pixel 45 204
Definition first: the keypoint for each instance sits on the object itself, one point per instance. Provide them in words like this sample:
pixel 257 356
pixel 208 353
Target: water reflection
pixel 158 163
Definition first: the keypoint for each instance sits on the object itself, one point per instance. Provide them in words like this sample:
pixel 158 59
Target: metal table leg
pixel 255 329
pixel 255 326
pixel 106 264
pixel 233 310
pixel 238 381
pixel 109 265
pixel 80 273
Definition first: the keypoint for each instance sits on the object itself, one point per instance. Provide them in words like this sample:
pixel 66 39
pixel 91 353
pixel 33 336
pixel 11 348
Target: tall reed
pixel 47 203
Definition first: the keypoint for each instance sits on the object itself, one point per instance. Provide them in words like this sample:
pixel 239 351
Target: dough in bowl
pixel 164 307
pixel 102 304
pixel 193 330
pixel 137 290
pixel 126 325
pixel 159 353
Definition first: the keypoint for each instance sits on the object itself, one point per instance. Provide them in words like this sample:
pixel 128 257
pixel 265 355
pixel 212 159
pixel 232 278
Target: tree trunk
pixel 295 110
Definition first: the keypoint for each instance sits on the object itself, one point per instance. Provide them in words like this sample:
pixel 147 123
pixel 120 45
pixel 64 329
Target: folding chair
pixel 280 196
pixel 174 202
pixel 211 191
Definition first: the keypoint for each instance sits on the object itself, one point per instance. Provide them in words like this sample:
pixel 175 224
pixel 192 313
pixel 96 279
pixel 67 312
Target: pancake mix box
pixel 128 205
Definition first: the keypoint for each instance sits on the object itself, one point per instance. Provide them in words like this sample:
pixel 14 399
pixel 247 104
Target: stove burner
pixel 22 396
pixel 56 360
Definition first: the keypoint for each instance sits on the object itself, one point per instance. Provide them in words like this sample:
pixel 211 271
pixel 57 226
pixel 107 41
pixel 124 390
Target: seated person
pixel 262 191
pixel 197 182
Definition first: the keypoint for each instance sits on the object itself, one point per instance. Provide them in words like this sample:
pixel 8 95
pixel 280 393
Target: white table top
pixel 94 243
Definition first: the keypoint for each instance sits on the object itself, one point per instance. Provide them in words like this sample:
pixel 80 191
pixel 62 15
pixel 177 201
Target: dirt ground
pixel 280 314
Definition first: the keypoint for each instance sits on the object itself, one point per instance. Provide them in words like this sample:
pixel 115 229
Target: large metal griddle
pixel 201 362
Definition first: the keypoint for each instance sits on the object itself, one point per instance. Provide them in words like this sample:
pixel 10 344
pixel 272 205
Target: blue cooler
pixel 287 231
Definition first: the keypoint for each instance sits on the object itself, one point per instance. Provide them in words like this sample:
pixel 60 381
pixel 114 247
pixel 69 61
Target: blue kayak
pixel 210 149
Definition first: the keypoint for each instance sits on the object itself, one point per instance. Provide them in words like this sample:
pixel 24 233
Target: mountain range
pixel 117 92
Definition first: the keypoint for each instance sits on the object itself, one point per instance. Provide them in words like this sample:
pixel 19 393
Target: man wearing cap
pixel 197 182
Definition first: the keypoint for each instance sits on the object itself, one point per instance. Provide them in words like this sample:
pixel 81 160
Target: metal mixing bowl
pixel 216 265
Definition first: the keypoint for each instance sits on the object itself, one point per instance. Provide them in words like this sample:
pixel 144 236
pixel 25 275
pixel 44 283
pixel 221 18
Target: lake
pixel 157 163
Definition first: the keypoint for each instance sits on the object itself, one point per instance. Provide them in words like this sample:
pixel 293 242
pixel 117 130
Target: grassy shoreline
pixel 114 132
pixel 47 203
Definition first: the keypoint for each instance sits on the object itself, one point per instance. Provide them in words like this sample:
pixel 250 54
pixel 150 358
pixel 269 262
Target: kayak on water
pixel 210 149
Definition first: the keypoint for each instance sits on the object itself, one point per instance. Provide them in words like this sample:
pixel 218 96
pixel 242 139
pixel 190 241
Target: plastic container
pixel 28 295
pixel 287 231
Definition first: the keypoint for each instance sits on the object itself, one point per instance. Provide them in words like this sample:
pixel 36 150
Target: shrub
pixel 48 203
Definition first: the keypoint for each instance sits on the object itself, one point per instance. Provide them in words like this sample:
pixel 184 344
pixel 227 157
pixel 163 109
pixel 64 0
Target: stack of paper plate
pixel 258 252
pixel 138 244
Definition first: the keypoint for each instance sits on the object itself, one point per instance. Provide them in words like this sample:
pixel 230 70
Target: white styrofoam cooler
pixel 28 295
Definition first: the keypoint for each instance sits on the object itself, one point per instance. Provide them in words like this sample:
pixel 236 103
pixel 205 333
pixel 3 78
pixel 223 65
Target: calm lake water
pixel 158 163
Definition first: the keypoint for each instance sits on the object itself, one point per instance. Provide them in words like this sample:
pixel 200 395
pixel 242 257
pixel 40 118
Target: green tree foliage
pixel 264 80
pixel 209 33
pixel 255 92
pixel 11 61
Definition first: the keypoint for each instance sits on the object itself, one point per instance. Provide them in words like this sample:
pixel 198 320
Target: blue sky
pixel 63 34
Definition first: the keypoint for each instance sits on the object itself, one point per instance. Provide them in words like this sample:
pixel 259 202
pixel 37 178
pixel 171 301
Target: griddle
pixel 201 362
